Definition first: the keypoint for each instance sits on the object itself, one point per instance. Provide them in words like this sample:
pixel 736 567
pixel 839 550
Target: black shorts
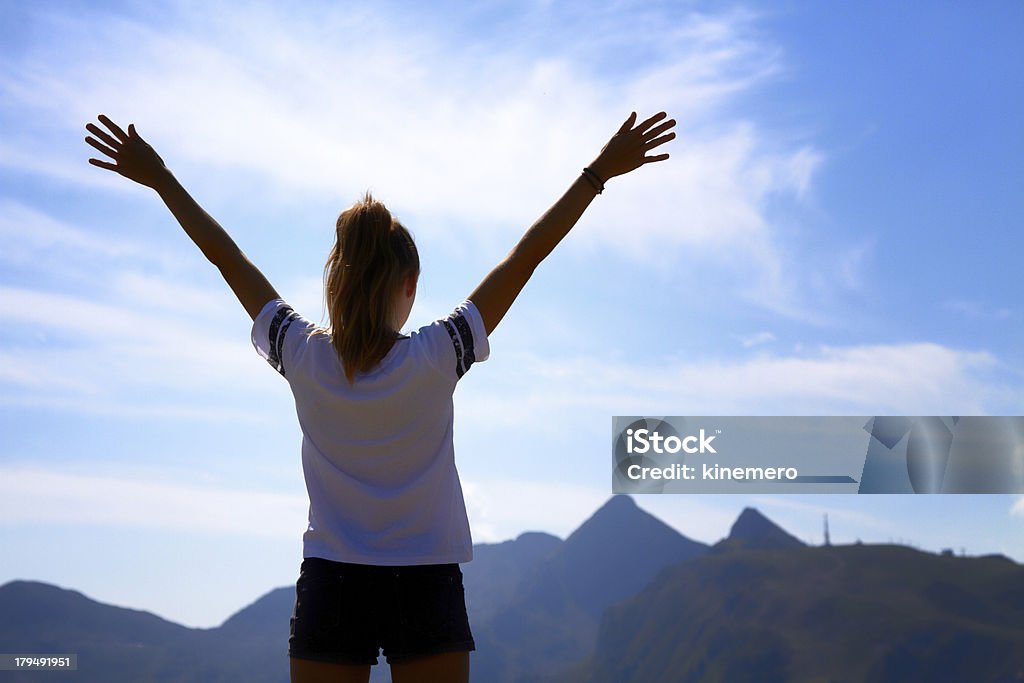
pixel 346 613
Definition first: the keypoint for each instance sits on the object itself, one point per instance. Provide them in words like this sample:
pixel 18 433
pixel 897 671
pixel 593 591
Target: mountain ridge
pixel 558 608
pixel 852 612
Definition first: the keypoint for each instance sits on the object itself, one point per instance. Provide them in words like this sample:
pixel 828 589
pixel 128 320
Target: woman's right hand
pixel 627 150
pixel 133 157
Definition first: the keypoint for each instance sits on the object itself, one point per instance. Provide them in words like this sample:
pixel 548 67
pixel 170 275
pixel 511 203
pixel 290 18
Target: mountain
pixel 754 531
pixel 262 618
pixel 497 570
pixel 553 623
pixel 112 643
pixel 835 613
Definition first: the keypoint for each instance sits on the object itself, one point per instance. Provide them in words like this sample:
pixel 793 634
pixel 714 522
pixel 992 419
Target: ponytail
pixel 373 254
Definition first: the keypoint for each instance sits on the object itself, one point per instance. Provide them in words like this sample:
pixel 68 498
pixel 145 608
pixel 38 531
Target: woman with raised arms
pixel 387 520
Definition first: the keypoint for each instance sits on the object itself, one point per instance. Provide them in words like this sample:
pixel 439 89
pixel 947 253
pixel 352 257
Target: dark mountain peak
pixel 557 608
pixel 749 518
pixel 615 517
pixel 620 525
pixel 616 551
pixel 619 502
pixel 753 530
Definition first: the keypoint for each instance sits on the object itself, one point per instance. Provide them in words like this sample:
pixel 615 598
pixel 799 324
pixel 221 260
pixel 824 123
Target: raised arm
pixel 136 160
pixel 625 152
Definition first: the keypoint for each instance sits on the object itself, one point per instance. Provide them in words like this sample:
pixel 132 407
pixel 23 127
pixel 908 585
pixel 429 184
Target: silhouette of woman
pixel 387 520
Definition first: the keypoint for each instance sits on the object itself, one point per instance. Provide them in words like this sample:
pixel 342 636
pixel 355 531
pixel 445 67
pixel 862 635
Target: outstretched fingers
pixel 102 135
pixel 657 136
pixel 128 153
pixel 105 143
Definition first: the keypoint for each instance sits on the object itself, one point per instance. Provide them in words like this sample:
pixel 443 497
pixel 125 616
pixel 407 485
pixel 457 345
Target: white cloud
pixel 120 333
pixel 112 323
pixel 756 339
pixel 486 134
pixel 26 232
pixel 31 156
pixel 37 495
pixel 173 356
pixel 902 379
pixel 1018 507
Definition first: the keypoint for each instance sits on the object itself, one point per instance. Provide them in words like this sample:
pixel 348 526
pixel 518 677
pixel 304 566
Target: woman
pixel 387 520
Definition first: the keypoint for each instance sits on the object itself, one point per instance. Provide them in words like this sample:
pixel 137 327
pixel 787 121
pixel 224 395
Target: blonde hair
pixel 373 254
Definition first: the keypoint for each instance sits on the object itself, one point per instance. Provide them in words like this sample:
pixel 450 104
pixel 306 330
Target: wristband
pixel 594 180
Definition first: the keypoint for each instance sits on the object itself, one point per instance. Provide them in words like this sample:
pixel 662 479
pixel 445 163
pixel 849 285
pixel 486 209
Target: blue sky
pixel 836 233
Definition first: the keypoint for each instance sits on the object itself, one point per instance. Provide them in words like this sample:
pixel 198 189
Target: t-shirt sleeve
pixel 457 341
pixel 279 334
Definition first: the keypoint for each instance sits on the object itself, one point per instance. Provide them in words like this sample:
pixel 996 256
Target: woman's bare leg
pixel 447 667
pixel 309 671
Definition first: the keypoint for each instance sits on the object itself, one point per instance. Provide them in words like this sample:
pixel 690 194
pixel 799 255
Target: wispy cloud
pixel 925 379
pixel 484 134
pixel 37 495
pixel 1018 507
pixel 756 339
pixel 104 325
pixel 119 333
pixel 28 232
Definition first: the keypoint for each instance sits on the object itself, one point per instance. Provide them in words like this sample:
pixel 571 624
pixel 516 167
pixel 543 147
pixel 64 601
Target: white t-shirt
pixel 377 455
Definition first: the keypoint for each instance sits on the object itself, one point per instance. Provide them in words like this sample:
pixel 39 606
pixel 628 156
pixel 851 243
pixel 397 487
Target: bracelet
pixel 594 180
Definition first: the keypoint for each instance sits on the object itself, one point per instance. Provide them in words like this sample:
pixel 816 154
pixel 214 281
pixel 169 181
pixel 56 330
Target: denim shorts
pixel 346 613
